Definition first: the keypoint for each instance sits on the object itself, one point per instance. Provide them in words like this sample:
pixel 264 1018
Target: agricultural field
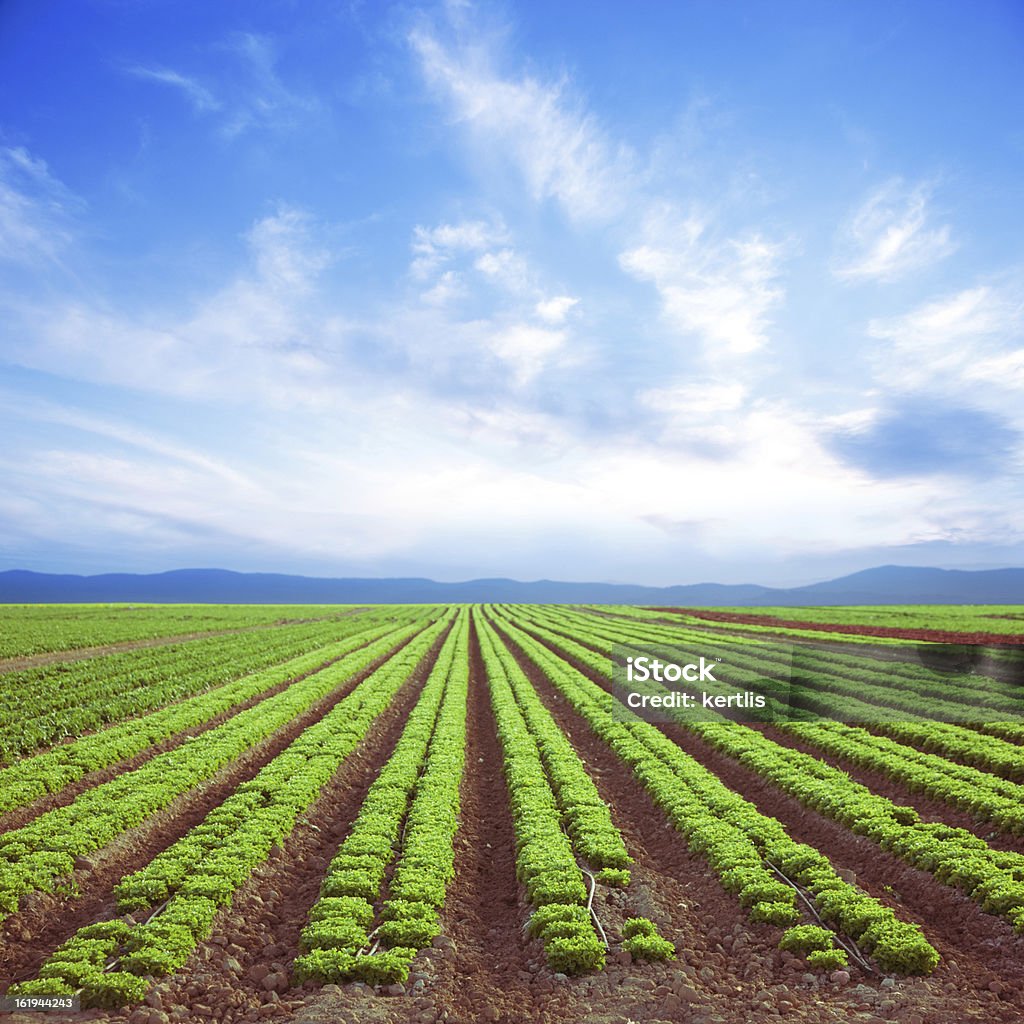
pixel 413 813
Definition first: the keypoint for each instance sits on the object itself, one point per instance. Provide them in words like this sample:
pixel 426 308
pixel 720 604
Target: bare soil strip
pixel 22 815
pixel 932 635
pixel 45 921
pixel 981 974
pixel 487 968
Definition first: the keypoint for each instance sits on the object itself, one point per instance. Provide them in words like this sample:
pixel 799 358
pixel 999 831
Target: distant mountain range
pixel 888 584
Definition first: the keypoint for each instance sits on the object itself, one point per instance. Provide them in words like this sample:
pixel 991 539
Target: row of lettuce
pixel 40 856
pixel 29 629
pixel 52 770
pixel 984 785
pixel 751 853
pixel 993 878
pixel 50 704
pixel 183 888
pixel 382 897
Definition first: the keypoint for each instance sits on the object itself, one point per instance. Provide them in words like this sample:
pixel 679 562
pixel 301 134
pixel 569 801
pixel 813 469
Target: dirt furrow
pixel 485 973
pixel 674 887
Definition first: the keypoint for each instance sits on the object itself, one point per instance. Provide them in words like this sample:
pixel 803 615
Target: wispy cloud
pixel 720 293
pixel 36 210
pixel 201 98
pixel 962 349
pixel 890 235
pixel 262 99
pixel 560 149
pixel 249 92
pixel 556 309
pixel 527 349
pixel 254 337
pixel 435 246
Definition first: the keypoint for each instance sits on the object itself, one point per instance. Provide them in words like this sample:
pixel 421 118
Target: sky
pixel 654 293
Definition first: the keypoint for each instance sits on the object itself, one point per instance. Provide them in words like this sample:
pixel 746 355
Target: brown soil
pixel 931 635
pixel 485 908
pixel 44 920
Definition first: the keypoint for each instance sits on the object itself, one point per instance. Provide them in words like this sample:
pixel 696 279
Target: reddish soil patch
pixel 930 635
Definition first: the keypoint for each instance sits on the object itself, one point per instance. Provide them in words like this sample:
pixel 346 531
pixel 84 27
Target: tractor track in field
pixel 31 934
pixel 23 815
pixel 978 950
pixel 259 935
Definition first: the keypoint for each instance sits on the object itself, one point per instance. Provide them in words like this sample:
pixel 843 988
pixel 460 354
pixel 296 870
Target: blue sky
pixel 653 292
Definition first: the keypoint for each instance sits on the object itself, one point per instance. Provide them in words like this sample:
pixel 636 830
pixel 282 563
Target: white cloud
pixel 249 93
pixel 965 347
pixel 526 349
pixel 432 247
pixel 889 236
pixel 560 150
pixel 505 267
pixel 696 400
pixel 254 338
pixel 448 287
pixel 721 293
pixel 284 254
pixel 556 309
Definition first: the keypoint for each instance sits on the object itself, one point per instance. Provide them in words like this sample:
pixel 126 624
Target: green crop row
pixel 954 741
pixel 425 768
pixel 994 878
pixel 199 874
pixel 36 856
pixel 27 629
pixel 586 816
pixel 49 772
pixel 912 688
pixel 986 796
pixel 48 705
pixel 745 847
pixel 545 861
